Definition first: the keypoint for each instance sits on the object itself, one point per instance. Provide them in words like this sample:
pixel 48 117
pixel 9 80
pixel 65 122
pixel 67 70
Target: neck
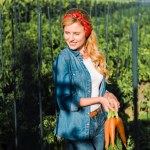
pixel 84 54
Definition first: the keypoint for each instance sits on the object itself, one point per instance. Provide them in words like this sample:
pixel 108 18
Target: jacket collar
pixel 75 52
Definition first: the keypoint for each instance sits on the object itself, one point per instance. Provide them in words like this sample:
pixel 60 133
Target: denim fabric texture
pixel 96 136
pixel 72 82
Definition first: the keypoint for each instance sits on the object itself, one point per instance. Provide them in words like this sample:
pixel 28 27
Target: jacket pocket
pixel 75 79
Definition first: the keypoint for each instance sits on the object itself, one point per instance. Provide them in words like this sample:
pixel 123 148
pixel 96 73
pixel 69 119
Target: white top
pixel 96 79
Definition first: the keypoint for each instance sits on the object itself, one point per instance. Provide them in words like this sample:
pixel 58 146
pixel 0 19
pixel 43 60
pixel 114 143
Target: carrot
pixel 106 132
pixel 120 127
pixel 112 128
pixel 113 122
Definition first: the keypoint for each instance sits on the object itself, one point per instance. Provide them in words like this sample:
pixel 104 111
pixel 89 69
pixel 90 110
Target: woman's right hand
pixel 106 104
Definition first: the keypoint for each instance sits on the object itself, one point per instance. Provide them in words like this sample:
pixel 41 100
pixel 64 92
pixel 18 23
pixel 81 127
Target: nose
pixel 71 37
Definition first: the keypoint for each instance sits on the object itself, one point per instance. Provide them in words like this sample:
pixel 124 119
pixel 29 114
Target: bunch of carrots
pixel 112 123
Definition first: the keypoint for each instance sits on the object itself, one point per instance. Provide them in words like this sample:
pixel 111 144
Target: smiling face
pixel 74 36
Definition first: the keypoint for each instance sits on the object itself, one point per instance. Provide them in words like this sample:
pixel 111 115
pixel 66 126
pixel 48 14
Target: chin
pixel 73 48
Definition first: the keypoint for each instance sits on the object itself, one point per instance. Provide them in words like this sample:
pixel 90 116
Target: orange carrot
pixel 112 128
pixel 106 132
pixel 120 127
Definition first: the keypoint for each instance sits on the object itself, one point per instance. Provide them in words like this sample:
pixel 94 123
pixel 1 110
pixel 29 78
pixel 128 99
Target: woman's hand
pixel 106 104
pixel 112 100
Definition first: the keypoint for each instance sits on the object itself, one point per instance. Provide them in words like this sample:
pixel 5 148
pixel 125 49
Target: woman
pixel 79 74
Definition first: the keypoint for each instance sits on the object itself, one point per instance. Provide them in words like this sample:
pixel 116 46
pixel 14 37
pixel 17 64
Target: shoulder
pixel 62 57
pixel 64 54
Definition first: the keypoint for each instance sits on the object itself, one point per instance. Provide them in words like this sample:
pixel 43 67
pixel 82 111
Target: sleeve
pixel 65 98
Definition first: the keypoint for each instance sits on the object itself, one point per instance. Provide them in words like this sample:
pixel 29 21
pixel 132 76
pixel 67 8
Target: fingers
pixel 107 108
pixel 116 105
pixel 106 105
pixel 110 106
pixel 113 101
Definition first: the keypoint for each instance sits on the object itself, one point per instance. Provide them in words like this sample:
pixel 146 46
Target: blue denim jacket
pixel 72 82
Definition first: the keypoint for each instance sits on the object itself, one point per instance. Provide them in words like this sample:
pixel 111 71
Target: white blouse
pixel 96 79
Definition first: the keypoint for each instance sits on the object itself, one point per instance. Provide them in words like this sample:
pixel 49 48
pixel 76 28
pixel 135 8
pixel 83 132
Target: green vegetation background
pixel 22 65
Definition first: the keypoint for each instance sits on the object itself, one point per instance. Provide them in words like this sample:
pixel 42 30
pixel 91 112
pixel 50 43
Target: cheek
pixel 79 38
pixel 82 39
pixel 66 37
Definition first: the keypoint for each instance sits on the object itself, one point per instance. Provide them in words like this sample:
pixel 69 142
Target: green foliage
pixel 130 143
pixel 144 135
pixel 125 85
pixel 118 144
pixel 19 60
pixel 144 101
pixel 49 124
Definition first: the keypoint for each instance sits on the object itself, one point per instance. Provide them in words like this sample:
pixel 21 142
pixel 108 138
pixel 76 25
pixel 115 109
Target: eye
pixel 76 33
pixel 66 32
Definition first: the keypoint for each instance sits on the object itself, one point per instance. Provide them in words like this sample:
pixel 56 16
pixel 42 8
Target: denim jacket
pixel 72 82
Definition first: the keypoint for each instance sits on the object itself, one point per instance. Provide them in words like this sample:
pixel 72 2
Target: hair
pixel 91 46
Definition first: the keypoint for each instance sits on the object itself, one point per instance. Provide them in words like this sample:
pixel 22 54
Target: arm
pixel 95 100
pixel 65 98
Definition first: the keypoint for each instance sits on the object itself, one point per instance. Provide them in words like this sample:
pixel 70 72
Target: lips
pixel 72 44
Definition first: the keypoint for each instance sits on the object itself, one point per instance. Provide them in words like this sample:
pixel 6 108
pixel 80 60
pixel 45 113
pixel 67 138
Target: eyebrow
pixel 73 32
pixel 76 32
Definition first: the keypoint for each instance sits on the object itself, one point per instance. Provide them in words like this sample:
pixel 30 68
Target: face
pixel 74 35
